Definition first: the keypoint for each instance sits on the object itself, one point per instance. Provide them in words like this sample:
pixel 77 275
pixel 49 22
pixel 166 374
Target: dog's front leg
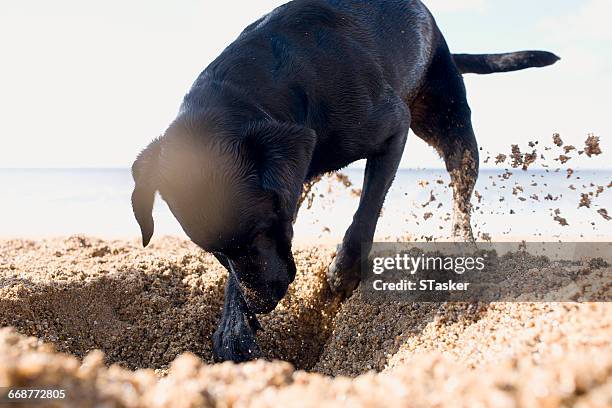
pixel 343 274
pixel 234 339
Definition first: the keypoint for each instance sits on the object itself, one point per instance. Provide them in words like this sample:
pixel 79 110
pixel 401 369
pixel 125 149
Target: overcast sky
pixel 88 84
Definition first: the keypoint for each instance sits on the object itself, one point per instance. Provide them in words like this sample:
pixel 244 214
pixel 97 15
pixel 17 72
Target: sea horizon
pixel 95 201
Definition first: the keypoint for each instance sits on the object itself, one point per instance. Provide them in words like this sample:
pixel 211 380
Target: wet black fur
pixel 308 89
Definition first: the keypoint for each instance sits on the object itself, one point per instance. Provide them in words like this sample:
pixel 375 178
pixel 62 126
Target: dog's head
pixel 235 195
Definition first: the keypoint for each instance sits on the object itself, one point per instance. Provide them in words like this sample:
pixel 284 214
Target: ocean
pixel 38 203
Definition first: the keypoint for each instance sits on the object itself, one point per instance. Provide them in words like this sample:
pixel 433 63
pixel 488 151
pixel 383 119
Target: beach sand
pixel 116 324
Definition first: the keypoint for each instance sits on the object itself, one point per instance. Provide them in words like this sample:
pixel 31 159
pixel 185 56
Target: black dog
pixel 308 89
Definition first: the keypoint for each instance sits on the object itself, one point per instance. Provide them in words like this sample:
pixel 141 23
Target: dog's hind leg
pixel 442 117
pixel 343 274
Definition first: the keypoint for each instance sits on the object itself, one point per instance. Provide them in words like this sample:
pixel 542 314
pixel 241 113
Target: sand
pixel 91 304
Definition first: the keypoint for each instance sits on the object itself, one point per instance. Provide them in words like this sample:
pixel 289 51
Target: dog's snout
pixel 265 297
pixel 263 279
pixel 261 305
pixel 279 289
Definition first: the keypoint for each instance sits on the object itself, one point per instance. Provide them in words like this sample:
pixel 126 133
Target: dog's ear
pixel 282 154
pixel 144 172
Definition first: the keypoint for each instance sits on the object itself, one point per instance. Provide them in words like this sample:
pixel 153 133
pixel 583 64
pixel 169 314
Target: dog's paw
pixel 234 340
pixel 343 276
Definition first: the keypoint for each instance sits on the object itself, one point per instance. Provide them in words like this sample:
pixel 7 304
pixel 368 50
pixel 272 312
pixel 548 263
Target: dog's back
pixel 331 50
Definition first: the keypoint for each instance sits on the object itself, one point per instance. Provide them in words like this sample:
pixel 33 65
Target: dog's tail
pixel 513 61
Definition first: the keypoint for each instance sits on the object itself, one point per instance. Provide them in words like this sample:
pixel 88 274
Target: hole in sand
pixel 143 308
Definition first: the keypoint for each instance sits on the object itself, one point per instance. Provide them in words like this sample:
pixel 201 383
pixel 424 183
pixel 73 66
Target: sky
pixel 89 84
